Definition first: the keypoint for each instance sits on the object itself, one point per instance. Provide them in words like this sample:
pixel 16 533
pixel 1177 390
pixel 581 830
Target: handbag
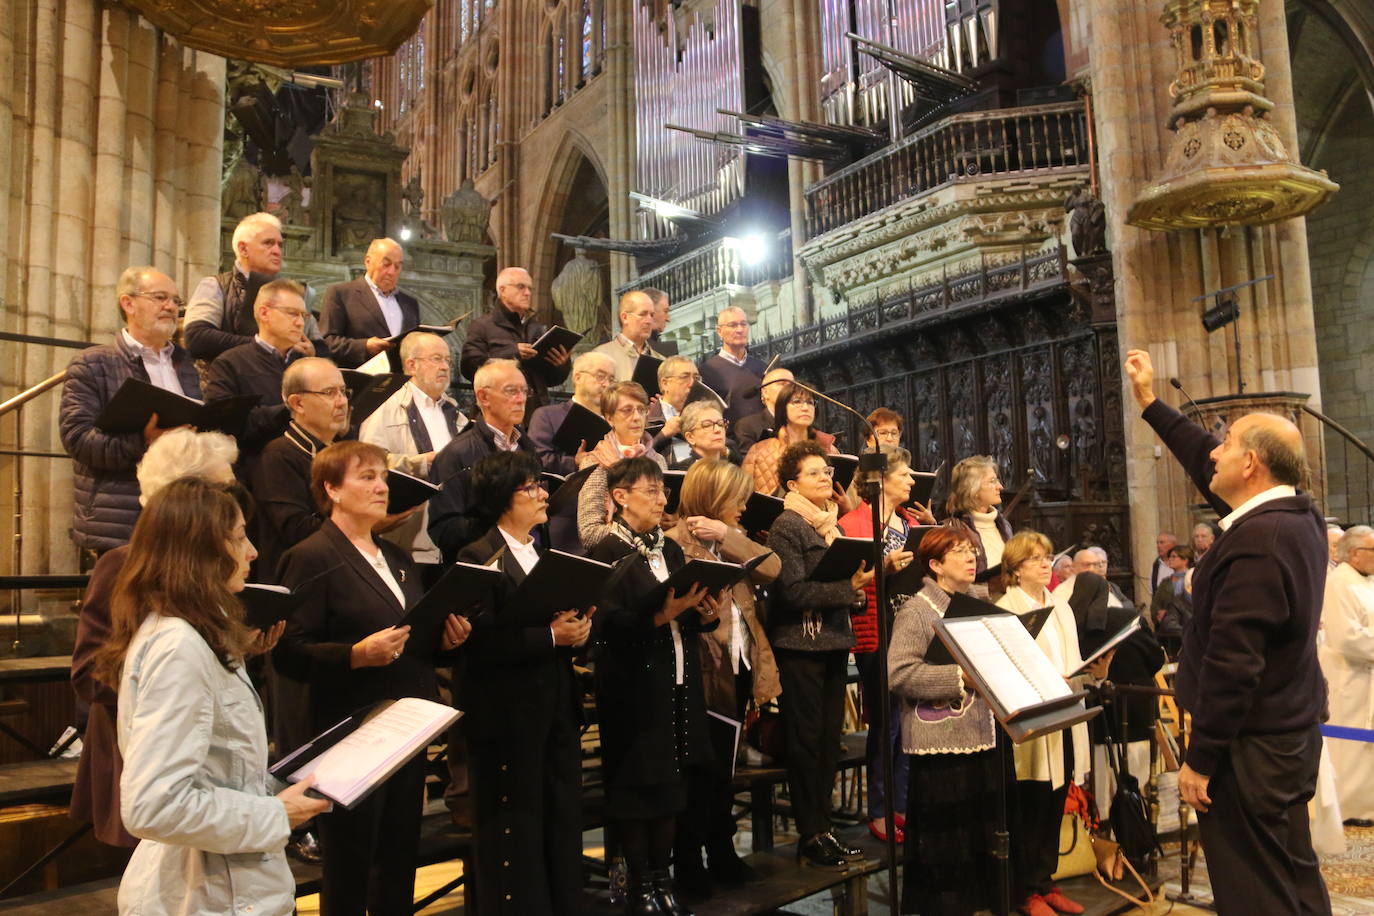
pixel 1075 849
pixel 764 731
pixel 1111 866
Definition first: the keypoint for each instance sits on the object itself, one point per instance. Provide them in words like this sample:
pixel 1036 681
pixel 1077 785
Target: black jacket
pixel 286 511
pixel 451 524
pixel 738 385
pixel 353 604
pixel 350 315
pixel 252 368
pixel 1249 659
pixel 106 489
pixel 494 336
pixel 647 737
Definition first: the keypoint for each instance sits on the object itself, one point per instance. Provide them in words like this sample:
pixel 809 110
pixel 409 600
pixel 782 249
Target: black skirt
pixel 948 868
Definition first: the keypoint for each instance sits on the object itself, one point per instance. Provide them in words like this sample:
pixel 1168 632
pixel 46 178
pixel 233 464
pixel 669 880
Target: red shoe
pixel 881 835
pixel 1061 903
pixel 1035 905
pixel 900 820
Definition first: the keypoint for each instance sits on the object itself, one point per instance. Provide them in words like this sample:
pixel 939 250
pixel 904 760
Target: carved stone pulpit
pixel 356 190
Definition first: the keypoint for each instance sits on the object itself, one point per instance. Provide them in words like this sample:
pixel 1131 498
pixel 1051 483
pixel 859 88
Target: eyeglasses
pixel 531 489
pixel 161 298
pixel 436 360
pixel 599 375
pixel 732 325
pixel 652 492
pixel 332 393
pixel 801 402
pixel 631 410
pixel 708 424
pixel 1039 558
pixel 293 314
pixel 819 472
pixel 513 391
pixel 888 434
pixel 963 550
pixel 694 376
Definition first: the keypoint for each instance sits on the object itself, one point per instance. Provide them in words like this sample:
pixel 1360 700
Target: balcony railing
pixel 972 146
pixel 724 262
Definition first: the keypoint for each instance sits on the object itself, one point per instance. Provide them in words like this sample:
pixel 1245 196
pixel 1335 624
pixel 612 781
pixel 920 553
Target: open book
pixel 1012 673
pixel 354 757
pixel 556 336
pixel 1109 643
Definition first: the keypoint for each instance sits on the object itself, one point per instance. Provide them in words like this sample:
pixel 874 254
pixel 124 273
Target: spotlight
pixel 752 248
pixel 405 233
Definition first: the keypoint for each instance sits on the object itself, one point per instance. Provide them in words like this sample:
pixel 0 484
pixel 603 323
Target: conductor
pixel 1248 669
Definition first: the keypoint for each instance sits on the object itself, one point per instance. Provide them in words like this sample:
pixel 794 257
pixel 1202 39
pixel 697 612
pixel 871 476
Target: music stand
pixel 1016 726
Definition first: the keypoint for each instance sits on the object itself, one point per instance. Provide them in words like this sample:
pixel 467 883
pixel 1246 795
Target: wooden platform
pixel 36 668
pixel 37 782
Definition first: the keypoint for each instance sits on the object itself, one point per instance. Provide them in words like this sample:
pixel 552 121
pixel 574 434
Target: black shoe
pixel 1358 822
pixel 691 878
pixel 663 893
pixel 728 869
pixel 815 853
pixel 841 848
pixel 641 898
pixel 305 848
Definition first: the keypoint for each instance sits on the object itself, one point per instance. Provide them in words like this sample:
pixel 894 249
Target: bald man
pixel 509 331
pixel 1248 670
pixel 358 317
pixel 759 425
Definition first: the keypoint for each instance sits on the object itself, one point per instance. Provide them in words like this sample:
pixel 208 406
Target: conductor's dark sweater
pixel 1249 659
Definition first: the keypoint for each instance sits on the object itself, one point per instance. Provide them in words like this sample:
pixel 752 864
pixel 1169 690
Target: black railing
pixel 964 147
pixel 1349 465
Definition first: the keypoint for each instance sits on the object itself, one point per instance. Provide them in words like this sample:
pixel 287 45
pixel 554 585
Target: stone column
pixel 1159 274
pixel 116 139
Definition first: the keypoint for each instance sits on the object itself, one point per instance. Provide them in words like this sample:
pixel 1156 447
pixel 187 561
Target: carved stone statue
pixel 241 192
pixel 1087 222
pixel 291 205
pixel 466 214
pixel 1041 454
pixel 577 294
pixel 358 211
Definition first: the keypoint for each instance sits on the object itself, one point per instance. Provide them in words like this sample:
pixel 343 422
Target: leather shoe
pixel 816 853
pixel 640 897
pixel 1035 905
pixel 663 894
pixel 305 848
pixel 1061 903
pixel 881 835
pixel 841 848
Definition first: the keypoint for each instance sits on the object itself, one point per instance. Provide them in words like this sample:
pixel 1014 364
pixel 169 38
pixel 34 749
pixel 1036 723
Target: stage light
pixel 753 248
pixel 405 233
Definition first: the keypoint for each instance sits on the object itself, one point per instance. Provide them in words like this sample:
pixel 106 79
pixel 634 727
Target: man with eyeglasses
pixel 502 396
pixel 221 315
pixel 732 372
pixel 676 376
pixel 106 490
pixel 257 367
pixel 1093 560
pixel 636 326
pixel 413 425
pixel 358 317
pixel 509 331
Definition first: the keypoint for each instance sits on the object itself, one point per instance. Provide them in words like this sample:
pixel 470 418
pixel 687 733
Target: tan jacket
pixel 716 675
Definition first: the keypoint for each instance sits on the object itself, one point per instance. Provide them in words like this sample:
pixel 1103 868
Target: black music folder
pixel 564 491
pixel 923 487
pixel 462 589
pixel 672 486
pixel 560 582
pixel 842 559
pixel 556 336
pixel 264 604
pixel 355 756
pixel 370 391
pixel 845 466
pixel 406 491
pixel 393 353
pixel 714 574
pixel 578 427
pixel 646 373
pixel 136 401
pixel 760 512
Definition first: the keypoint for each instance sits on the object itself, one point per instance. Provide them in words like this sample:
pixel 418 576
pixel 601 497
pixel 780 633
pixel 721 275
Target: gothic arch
pixel 567 183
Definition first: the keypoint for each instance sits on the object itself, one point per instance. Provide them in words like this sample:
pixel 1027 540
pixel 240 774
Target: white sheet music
pixel 348 769
pixel 1016 670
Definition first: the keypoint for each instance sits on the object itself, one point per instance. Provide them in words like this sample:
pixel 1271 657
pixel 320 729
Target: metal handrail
pixel 1347 434
pixel 23 397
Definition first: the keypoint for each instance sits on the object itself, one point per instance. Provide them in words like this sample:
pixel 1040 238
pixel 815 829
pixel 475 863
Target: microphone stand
pixel 872 467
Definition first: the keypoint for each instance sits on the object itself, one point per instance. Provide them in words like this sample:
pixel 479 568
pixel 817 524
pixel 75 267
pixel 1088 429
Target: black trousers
pixel 1256 835
pixel 369 852
pixel 1035 813
pixel 709 818
pixel 813 686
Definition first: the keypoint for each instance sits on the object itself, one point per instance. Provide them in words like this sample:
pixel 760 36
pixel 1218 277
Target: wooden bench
pixel 35 782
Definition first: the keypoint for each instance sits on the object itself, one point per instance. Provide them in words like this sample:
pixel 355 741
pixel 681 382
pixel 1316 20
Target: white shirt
pixel 157 363
pixel 378 562
pixel 739 632
pixel 432 415
pixel 525 554
pixel 1254 502
pixel 727 355
pixel 391 309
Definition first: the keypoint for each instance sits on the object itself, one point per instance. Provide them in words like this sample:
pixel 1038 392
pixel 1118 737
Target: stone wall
pixel 112 143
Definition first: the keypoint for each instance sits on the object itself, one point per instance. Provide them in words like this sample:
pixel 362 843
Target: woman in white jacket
pixel 1044 766
pixel 195 785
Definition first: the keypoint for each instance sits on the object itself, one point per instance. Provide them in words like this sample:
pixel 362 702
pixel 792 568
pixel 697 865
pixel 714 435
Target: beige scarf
pixel 823 520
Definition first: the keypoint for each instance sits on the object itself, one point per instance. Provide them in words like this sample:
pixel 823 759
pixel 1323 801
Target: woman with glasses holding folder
pixel 809 628
pixel 650 705
pixel 736 664
pixel 345 641
pixel 524 711
pixel 950 738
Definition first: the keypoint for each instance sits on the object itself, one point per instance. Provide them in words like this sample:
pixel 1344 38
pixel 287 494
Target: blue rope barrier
pixel 1349 734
